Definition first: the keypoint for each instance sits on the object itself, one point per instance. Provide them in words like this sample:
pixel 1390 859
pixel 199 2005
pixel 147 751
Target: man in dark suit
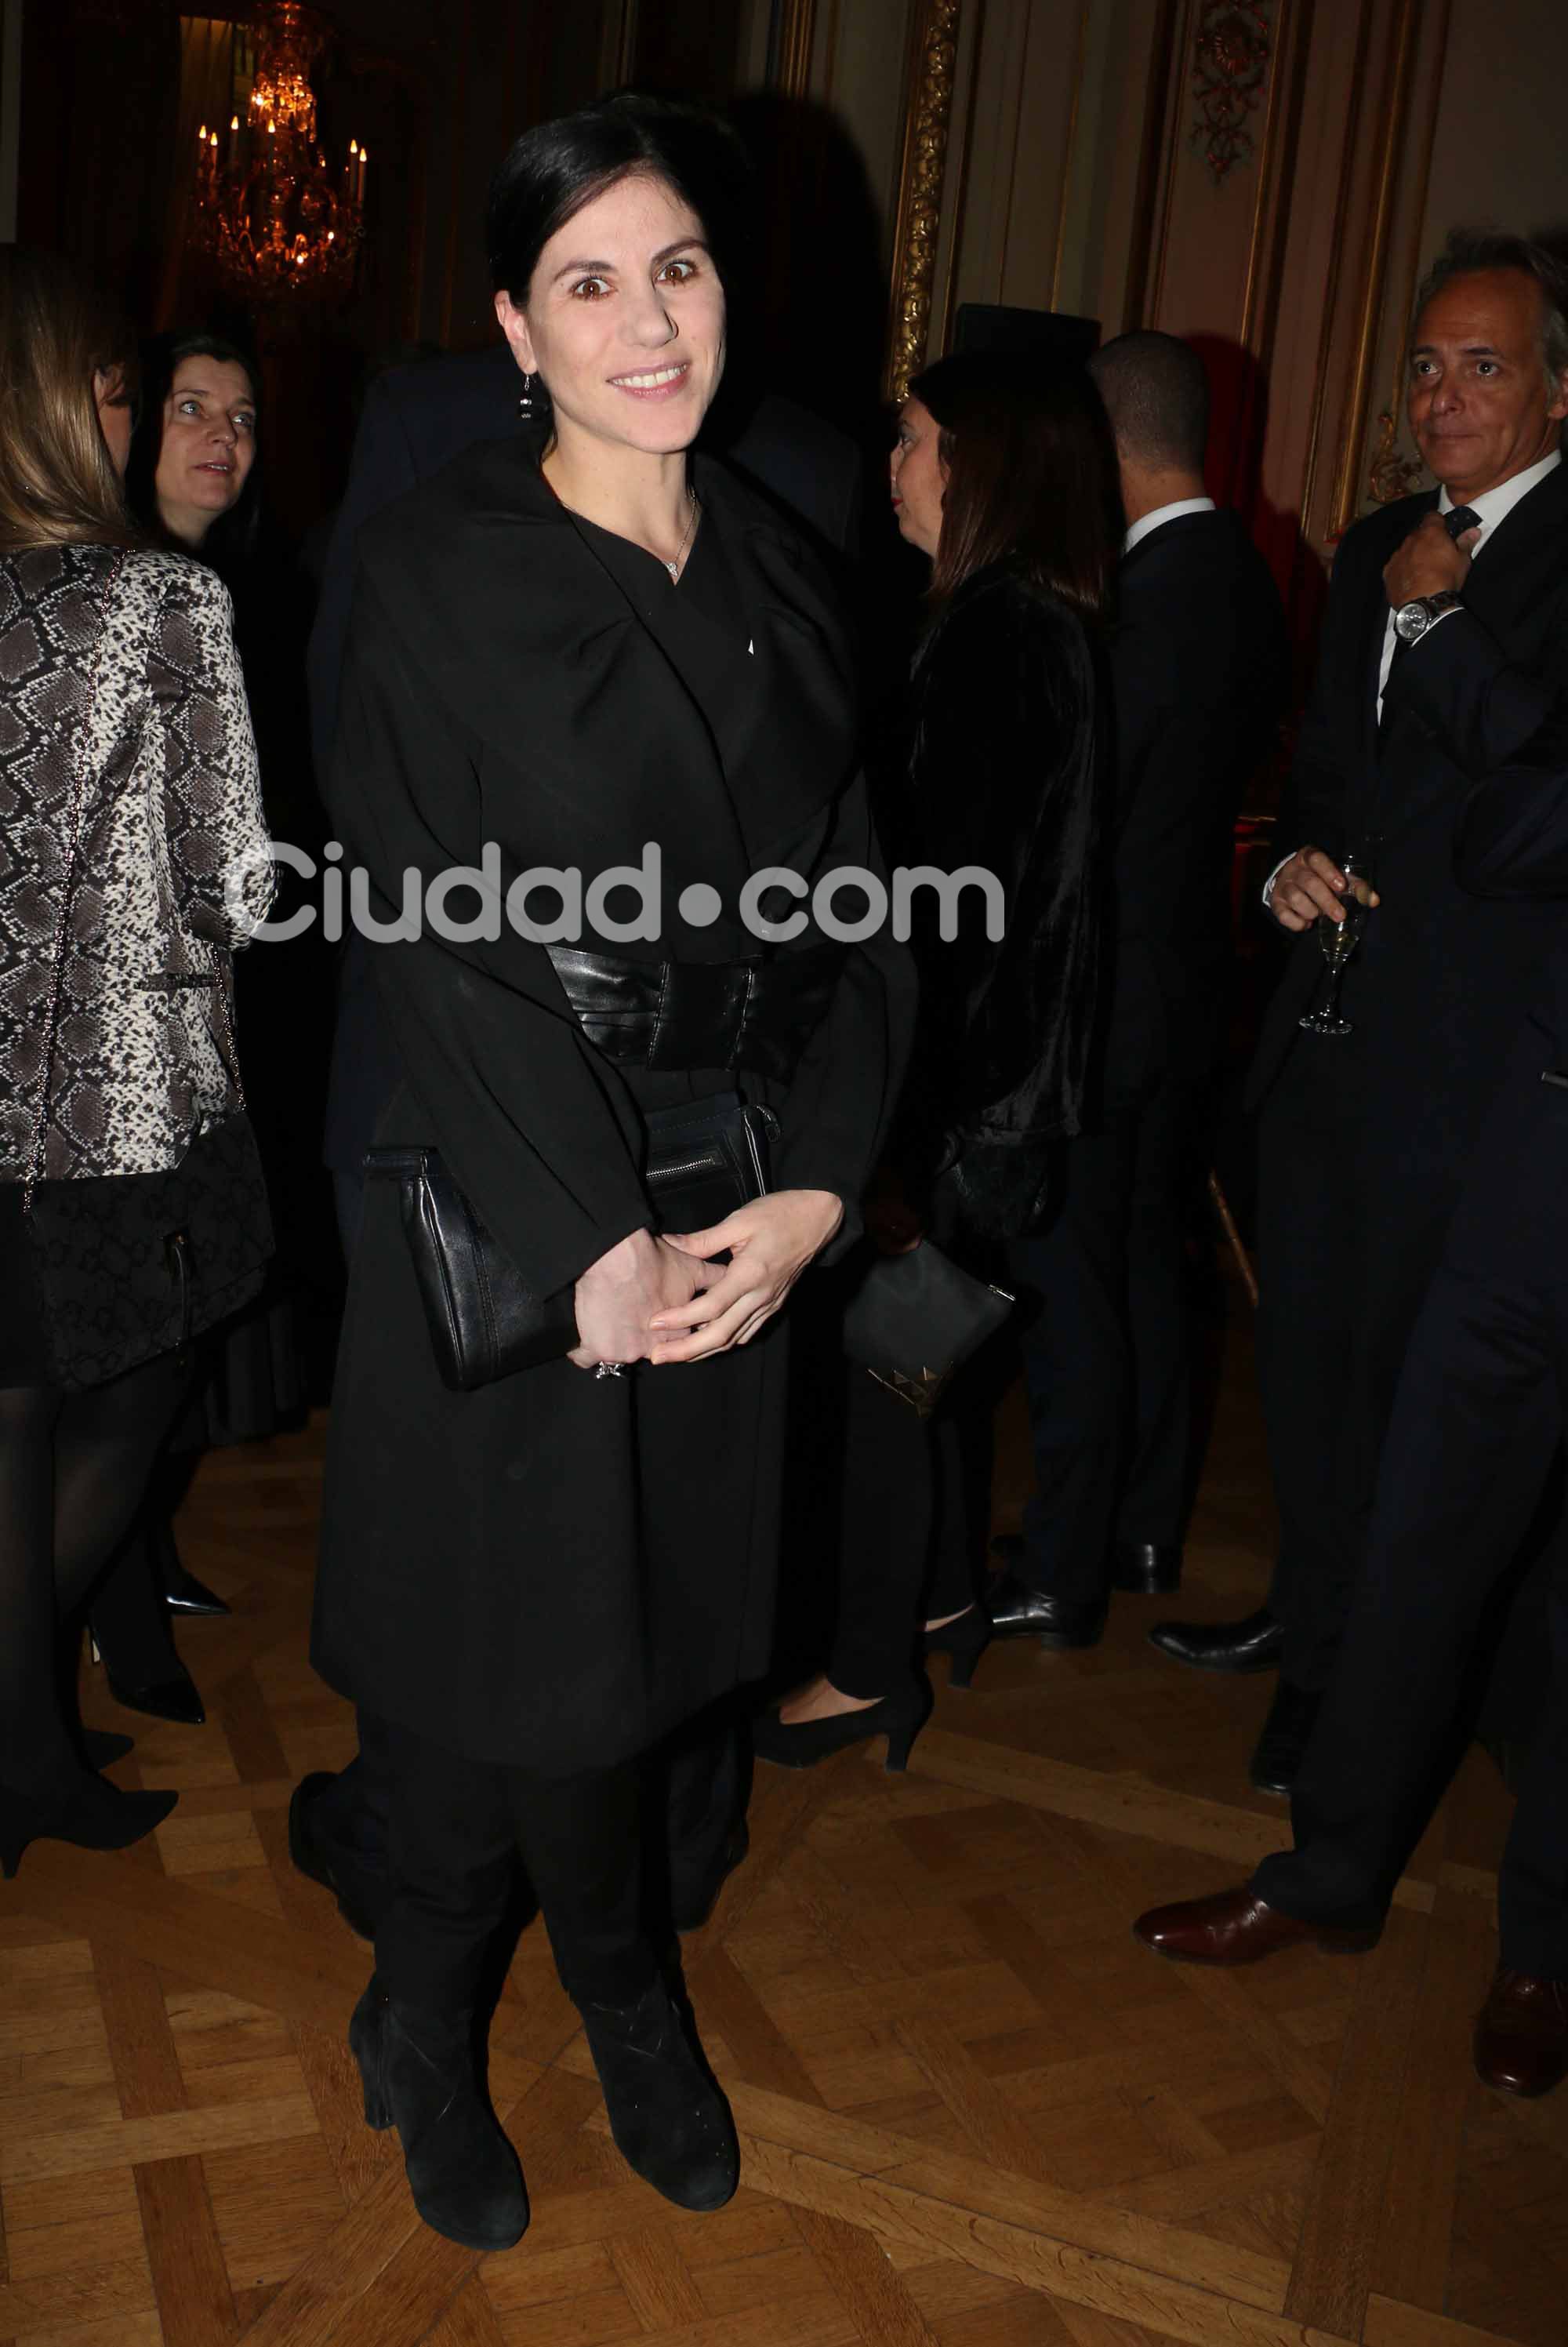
pixel 1198 672
pixel 1480 1415
pixel 1364 1137
pixel 416 419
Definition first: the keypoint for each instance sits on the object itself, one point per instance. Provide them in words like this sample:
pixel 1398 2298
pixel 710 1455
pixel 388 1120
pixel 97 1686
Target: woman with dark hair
pixel 1007 480
pixel 132 861
pixel 584 651
pixel 192 476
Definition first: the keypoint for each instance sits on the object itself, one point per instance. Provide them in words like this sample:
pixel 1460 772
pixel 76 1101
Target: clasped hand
pixel 662 1299
pixel 617 1296
pixel 769 1243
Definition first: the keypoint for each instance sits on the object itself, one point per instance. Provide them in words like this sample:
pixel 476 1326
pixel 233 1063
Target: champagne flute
pixel 1336 942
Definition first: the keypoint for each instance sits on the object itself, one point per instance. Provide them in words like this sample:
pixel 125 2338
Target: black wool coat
pixel 416 419
pixel 556 1570
pixel 1442 972
pixel 1006 771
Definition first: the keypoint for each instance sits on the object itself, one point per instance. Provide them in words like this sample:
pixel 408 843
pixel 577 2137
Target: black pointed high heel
pixel 177 1699
pixel 899 1717
pixel 183 1594
pixel 85 1811
pixel 963 1640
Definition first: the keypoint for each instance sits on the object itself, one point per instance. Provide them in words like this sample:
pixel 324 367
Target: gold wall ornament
pixel 279 225
pixel 933 67
pixel 1392 476
pixel 1230 69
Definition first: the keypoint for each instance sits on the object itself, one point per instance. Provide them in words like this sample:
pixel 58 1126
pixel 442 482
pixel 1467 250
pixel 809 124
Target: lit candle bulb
pixel 363 159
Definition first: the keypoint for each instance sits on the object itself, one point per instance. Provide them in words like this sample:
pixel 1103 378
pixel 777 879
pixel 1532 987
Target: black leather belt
pixel 758 1014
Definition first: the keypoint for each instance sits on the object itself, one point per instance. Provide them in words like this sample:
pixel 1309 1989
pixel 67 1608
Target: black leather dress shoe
pixel 315 1857
pixel 690 1909
pixel 1145 1569
pixel 1286 1732
pixel 1253 1644
pixel 1016 1611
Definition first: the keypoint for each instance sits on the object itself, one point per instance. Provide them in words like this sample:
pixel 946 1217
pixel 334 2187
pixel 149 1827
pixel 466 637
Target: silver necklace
pixel 674 568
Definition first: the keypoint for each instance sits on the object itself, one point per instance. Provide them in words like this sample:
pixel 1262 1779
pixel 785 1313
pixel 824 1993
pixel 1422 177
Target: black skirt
pixel 25 1358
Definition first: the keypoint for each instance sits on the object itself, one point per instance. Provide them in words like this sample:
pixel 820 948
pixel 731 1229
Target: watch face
pixel 1411 619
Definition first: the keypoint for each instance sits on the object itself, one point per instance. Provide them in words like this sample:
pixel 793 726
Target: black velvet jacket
pixel 1004 772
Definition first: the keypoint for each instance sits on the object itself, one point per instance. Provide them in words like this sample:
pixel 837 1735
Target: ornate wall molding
pixel 934 48
pixel 1396 118
pixel 1393 476
pixel 791 35
pixel 1231 58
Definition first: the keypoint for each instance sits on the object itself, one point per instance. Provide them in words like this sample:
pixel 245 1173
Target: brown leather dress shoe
pixel 1522 2034
pixel 1237 1927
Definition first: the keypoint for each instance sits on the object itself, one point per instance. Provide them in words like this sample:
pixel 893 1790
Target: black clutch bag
pixel 918 1317
pixel 702 1161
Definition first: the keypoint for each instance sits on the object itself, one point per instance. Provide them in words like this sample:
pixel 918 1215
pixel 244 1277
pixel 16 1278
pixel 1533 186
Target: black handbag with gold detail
pixel 917 1318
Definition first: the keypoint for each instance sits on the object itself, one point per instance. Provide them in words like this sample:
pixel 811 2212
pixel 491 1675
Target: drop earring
pixel 526 404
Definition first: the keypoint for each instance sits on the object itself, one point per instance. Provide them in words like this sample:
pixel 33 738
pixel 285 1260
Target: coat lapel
pixel 1506 580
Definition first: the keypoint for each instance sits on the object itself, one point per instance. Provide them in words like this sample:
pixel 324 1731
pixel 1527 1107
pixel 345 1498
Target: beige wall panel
pixel 1502 150
pixel 858 72
pixel 1121 96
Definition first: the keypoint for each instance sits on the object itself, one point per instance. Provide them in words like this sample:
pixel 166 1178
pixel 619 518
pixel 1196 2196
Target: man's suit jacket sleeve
pixel 1481 705
pixel 381 468
pixel 1514 838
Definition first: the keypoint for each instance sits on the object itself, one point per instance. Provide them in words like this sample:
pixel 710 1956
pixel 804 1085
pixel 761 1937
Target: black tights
pixel 73 1468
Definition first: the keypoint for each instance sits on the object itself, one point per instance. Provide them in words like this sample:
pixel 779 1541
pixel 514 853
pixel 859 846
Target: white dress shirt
pixel 1492 507
pixel 1163 513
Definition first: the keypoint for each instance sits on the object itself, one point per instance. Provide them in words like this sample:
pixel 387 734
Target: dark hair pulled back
pixel 557 168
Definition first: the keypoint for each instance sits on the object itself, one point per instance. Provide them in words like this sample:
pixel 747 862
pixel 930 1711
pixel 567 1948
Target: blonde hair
pixel 58 485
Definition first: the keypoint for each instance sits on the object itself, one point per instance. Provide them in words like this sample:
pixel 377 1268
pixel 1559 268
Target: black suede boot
pixel 420 2076
pixel 667 2113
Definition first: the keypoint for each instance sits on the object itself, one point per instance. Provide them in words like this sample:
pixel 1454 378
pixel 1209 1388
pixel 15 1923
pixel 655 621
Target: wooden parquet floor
pixel 975 2114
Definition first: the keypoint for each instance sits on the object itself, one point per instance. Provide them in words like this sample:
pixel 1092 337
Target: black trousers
pixel 910 1514
pixel 457 1829
pixel 694 1795
pixel 1324 1424
pixel 1477 1424
pixel 1107 1349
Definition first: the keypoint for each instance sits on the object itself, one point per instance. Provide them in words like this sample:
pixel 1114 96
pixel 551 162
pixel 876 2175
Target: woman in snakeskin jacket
pixel 133 859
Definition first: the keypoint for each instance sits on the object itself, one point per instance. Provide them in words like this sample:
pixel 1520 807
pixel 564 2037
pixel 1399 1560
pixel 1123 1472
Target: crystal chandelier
pixel 281 227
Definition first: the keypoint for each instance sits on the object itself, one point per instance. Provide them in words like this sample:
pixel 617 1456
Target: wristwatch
pixel 1411 620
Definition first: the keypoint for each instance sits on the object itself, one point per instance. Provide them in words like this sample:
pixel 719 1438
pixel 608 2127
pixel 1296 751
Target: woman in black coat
pixel 583 656
pixel 1008 484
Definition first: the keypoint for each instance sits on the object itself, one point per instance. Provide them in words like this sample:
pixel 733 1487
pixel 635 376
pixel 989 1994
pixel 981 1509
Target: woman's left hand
pixel 770 1241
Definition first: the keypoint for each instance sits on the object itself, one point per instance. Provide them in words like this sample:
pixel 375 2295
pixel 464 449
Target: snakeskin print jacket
pixel 133 858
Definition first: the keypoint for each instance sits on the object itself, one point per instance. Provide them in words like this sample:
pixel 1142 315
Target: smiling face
pixel 918 476
pixel 624 320
pixel 1480 404
pixel 209 445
